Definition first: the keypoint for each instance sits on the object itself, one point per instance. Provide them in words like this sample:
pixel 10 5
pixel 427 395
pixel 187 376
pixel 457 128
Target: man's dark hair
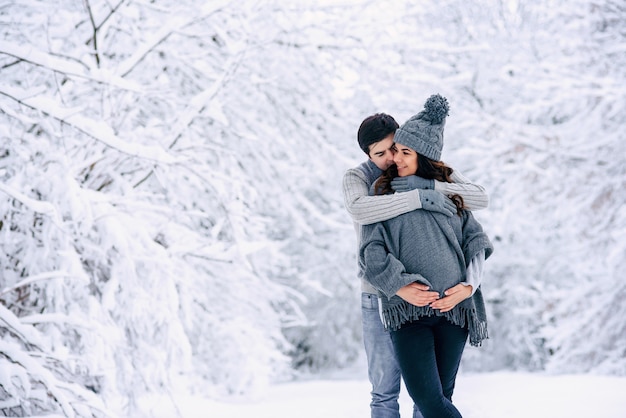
pixel 375 128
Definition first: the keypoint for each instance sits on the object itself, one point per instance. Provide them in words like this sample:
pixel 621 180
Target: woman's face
pixel 406 160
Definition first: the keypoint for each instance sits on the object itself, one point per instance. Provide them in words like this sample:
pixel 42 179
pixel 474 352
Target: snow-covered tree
pixel 167 192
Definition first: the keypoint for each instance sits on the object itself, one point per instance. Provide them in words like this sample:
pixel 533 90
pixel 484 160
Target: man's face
pixel 381 152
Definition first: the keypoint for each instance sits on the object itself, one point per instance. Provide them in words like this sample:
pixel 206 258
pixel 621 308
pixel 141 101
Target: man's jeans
pixel 383 369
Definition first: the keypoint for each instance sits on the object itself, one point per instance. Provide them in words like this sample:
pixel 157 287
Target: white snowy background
pixel 172 230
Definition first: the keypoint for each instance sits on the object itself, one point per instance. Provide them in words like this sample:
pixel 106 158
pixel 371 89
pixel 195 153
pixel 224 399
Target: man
pixel 375 137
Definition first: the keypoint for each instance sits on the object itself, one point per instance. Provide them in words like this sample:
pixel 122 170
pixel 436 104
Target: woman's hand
pixel 417 294
pixel 453 297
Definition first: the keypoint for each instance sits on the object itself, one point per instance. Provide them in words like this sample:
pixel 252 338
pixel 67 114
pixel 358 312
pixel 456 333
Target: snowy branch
pixel 199 102
pixel 54 63
pixel 35 278
pixel 94 36
pixel 45 208
pixel 175 23
pixel 97 130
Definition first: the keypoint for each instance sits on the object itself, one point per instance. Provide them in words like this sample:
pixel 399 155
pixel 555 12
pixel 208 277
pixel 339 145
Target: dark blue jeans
pixel 429 353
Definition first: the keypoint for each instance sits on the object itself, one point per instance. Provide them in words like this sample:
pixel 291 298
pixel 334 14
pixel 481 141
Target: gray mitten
pixel 404 184
pixel 437 202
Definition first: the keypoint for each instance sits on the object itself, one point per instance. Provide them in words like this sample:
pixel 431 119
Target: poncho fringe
pixel 394 316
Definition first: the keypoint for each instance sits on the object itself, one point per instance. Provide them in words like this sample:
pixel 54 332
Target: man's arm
pixel 366 209
pixel 474 196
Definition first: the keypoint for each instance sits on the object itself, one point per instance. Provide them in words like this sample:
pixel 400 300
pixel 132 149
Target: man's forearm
pixel 474 196
pixel 365 209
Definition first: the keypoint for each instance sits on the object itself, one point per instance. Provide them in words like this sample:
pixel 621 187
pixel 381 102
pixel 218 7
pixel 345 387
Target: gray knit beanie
pixel 424 132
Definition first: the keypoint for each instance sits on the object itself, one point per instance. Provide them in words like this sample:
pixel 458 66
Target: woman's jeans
pixel 429 352
pixel 383 369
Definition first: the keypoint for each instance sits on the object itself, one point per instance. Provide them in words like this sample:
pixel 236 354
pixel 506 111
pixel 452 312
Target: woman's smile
pixel 402 170
pixel 406 160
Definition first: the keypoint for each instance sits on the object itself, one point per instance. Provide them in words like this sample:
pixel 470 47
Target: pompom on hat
pixel 424 132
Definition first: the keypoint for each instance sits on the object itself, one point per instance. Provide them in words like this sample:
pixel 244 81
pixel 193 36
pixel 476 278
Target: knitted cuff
pixel 413 199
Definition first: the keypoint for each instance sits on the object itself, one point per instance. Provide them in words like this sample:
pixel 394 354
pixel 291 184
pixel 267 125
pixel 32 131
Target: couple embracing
pixel 421 256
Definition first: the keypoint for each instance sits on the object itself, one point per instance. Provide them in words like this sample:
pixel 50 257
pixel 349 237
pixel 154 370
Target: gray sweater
pixel 429 248
pixel 365 209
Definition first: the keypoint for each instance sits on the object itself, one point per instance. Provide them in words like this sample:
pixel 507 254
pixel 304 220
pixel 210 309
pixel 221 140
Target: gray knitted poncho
pixel 430 248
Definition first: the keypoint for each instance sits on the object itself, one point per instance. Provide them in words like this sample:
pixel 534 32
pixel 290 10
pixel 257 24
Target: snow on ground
pixel 489 395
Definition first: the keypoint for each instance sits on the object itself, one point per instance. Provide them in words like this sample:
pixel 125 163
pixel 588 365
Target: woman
pixel 427 267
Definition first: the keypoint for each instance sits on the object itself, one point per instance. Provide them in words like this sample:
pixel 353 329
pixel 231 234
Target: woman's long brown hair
pixel 426 168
